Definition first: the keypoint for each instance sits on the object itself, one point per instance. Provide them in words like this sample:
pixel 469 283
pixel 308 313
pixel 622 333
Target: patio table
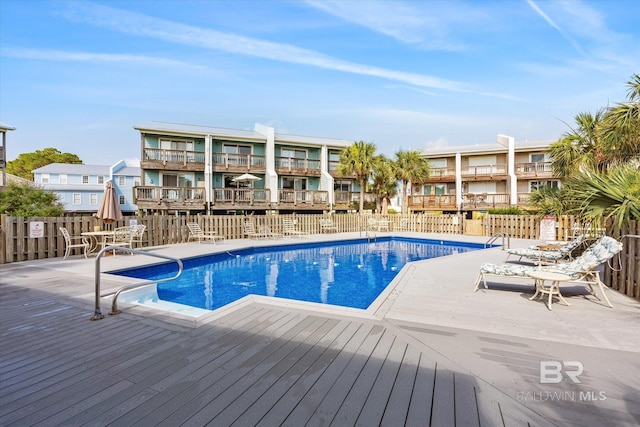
pixel 98 239
pixel 541 277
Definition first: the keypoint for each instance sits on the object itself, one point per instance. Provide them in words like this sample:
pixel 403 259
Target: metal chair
pixel 68 240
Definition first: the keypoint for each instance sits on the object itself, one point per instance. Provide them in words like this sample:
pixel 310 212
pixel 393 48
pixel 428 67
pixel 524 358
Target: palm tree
pixel 410 167
pixel 579 148
pixel 385 185
pixel 599 196
pixel 357 160
pixel 621 126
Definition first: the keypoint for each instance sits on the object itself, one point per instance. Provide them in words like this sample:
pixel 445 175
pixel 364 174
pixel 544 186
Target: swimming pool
pixel 345 273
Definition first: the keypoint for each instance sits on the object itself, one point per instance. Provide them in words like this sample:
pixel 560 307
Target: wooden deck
pixel 259 365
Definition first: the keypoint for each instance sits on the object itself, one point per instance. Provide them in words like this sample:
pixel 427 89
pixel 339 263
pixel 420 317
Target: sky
pixel 79 75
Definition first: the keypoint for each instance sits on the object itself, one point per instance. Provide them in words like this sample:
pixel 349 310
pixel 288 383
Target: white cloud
pixel 146 26
pixel 65 56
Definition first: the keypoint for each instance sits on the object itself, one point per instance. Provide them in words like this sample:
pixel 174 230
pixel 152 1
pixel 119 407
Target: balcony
pixel 303 199
pixel 345 200
pixel 170 198
pixel 484 172
pixel 485 200
pixel 294 166
pixel 157 158
pixel 440 202
pixel 442 174
pixel 241 198
pixel 534 170
pixel 226 162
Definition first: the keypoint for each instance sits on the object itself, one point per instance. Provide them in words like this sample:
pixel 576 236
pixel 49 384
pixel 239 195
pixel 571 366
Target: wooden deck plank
pixel 422 396
pixel 466 405
pixel 287 353
pixel 398 406
pixel 352 392
pixel 256 396
pixel 192 397
pixel 279 410
pixel 443 407
pixel 378 398
pixel 310 399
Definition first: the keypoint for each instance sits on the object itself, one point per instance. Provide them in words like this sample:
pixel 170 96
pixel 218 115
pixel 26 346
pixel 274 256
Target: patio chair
pixel 250 230
pixel 265 231
pixel 195 232
pixel 122 236
pixel 290 229
pixel 68 242
pixel 138 233
pixel 581 270
pixel 327 225
pixel 544 254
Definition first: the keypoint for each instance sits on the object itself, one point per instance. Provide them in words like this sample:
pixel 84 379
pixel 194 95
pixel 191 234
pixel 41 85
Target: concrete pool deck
pixel 493 339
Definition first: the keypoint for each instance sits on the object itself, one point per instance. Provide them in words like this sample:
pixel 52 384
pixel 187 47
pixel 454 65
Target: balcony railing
pixel 170 197
pixel 237 162
pixel 485 200
pixel 301 198
pixel 484 171
pixel 241 197
pixel 437 174
pixel 182 157
pixel 432 202
pixel 534 169
pixel 351 198
pixel 294 165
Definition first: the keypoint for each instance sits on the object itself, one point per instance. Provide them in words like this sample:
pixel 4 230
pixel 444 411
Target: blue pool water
pixel 346 273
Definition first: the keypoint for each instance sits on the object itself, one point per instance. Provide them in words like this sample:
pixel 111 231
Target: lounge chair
pixel 265 231
pixel 250 231
pixel 290 230
pixel 195 232
pixel 327 225
pixel 581 270
pixel 68 242
pixel 546 255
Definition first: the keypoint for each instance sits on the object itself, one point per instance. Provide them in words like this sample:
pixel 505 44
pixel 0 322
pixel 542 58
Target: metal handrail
pixel 97 314
pixel 495 237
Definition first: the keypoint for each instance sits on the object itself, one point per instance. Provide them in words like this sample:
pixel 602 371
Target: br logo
pixel 551 371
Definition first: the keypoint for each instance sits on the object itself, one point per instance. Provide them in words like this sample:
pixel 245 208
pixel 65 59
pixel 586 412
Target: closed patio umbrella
pixel 109 209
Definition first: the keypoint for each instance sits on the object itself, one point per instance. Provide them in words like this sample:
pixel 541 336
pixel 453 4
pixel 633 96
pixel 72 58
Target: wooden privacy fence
pixel 623 274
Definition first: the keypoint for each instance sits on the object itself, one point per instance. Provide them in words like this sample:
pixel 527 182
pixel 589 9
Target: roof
pixel 128 171
pixel 74 169
pixel 198 130
pixel 487 148
pixel 202 131
pixel 5 127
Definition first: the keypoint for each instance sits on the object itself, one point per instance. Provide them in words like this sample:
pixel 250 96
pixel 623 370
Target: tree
pixel 620 130
pixel 384 185
pixel 27 162
pixel 357 160
pixel 410 167
pixel 601 196
pixel 27 200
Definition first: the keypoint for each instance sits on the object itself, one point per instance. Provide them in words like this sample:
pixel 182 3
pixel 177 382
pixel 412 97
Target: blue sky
pixel 79 75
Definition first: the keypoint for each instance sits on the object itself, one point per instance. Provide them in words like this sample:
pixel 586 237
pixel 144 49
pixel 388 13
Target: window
pixel 538 158
pixel 236 149
pixel 179 180
pixel 93 199
pixel 291 183
pixel 342 185
pixel 85 179
pixel 439 163
pixel 77 198
pixel 536 185
pixel 176 144
pixel 121 199
pixel 44 178
pixel 122 180
pixel 100 179
pixel 62 178
pixel 293 153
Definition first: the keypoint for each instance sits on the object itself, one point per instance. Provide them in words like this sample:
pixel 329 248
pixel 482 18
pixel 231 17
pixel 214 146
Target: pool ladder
pixel 496 236
pixel 97 314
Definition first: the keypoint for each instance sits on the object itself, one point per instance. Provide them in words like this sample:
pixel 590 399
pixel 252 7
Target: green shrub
pixel 511 210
